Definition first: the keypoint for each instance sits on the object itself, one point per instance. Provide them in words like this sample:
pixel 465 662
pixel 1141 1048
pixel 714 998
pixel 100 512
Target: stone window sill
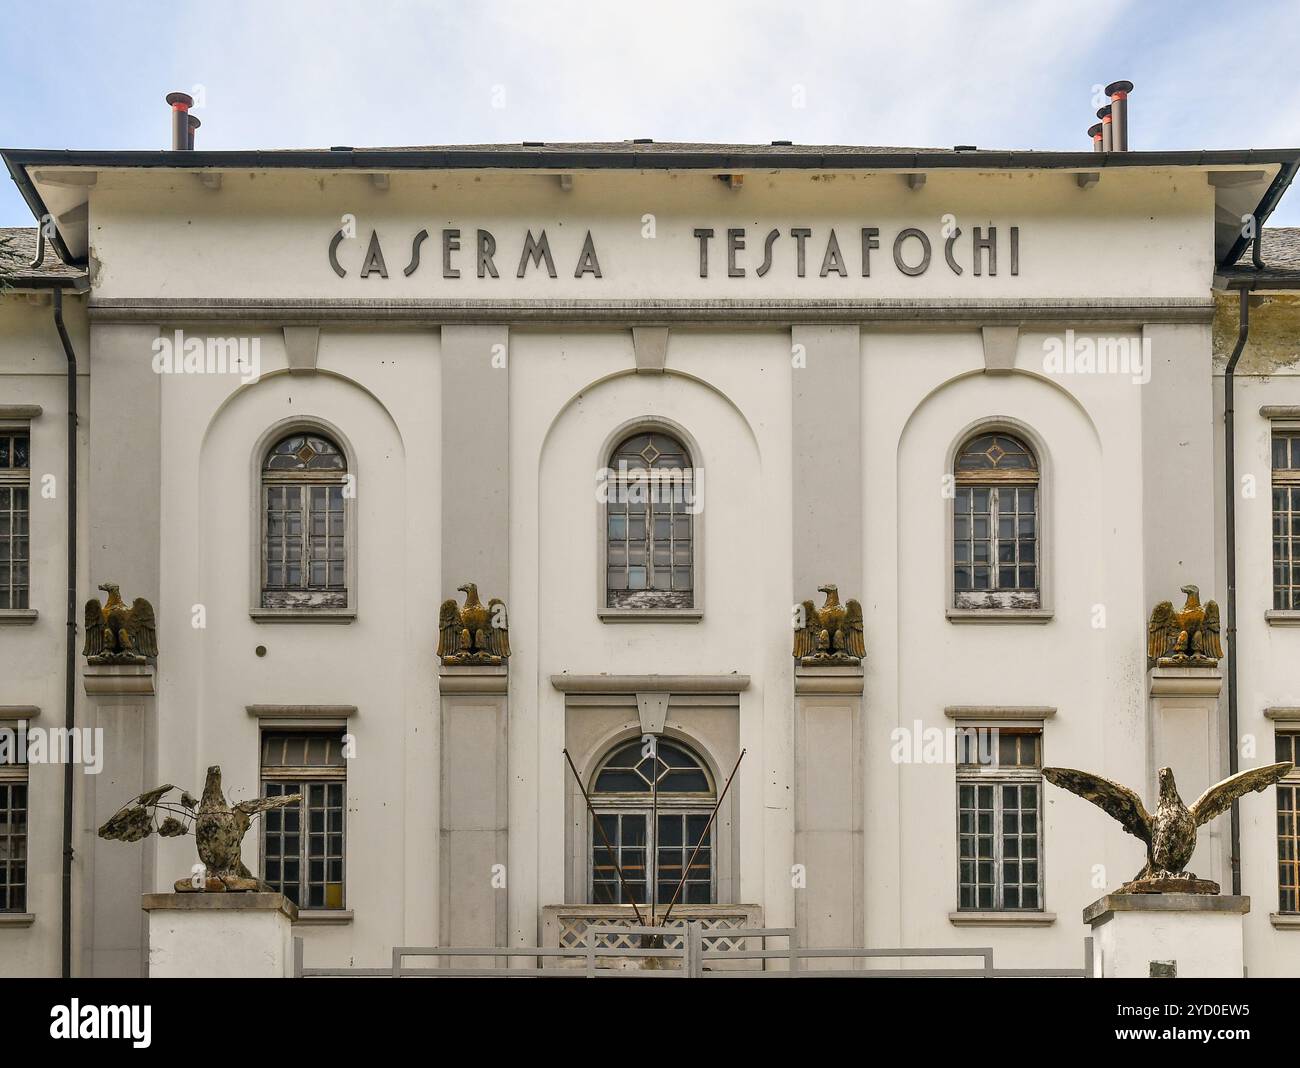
pixel 1001 919
pixel 1282 618
pixel 17 919
pixel 323 917
pixel 302 615
pixel 999 615
pixel 18 617
pixel 650 615
pixel 1285 921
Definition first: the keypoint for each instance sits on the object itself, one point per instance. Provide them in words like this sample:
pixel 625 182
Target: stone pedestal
pixel 220 936
pixel 1188 936
pixel 121 705
pixel 1185 736
pixel 474 830
pixel 829 804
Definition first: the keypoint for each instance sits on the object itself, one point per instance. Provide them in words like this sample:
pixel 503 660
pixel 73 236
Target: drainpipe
pixel 1230 499
pixel 70 691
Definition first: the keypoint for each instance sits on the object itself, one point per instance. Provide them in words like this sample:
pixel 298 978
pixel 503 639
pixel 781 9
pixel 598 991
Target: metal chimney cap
pixel 1119 87
pixel 1103 113
pixel 1094 130
pixel 184 99
pixel 194 121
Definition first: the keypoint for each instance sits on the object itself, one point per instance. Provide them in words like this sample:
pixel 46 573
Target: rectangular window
pixel 1288 826
pixel 995 539
pixel 15 551
pixel 303 844
pixel 13 836
pixel 305 545
pixel 999 821
pixel 1286 520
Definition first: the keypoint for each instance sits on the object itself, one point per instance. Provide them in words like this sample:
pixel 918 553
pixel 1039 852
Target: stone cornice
pixel 934 312
pixel 473 678
pixel 650 683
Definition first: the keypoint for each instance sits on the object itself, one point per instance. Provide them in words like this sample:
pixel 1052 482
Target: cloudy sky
pixel 1017 74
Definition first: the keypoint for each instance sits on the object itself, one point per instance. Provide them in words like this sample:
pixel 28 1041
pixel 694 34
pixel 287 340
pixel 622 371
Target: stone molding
pixel 119 680
pixel 1185 681
pixel 828 679
pixel 473 678
pixel 1105 907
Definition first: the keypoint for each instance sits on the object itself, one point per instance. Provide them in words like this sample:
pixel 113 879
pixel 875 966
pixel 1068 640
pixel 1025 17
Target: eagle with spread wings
pixel 1169 834
pixel 830 634
pixel 1191 634
pixel 218 827
pixel 476 633
pixel 116 634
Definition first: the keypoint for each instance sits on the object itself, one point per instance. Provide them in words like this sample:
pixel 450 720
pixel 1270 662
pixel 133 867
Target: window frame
pixel 12 775
pixel 303 612
pixel 1290 479
pixel 640 803
pixel 284 776
pixel 15 479
pixel 1291 783
pixel 651 613
pixel 998 775
pixel 993 610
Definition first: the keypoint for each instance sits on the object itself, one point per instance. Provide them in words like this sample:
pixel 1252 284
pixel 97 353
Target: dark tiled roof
pixel 1282 247
pixel 1280 251
pixel 18 249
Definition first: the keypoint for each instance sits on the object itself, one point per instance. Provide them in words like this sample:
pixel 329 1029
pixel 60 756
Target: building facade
pixel 652 398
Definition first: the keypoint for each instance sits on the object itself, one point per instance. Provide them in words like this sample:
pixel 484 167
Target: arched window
pixel 653 811
pixel 996 552
pixel 304 527
pixel 650 505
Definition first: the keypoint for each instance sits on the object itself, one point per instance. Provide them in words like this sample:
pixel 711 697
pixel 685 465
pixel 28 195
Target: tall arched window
pixel 304 527
pixel 650 504
pixel 996 552
pixel 653 811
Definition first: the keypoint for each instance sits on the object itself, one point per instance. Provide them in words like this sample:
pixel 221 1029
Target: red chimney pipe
pixel 180 104
pixel 1094 131
pixel 1118 93
pixel 1107 144
pixel 194 124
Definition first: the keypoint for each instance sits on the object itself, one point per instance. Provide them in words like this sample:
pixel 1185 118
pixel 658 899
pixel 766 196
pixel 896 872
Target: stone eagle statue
pixel 1190 635
pixel 116 634
pixel 474 634
pixel 218 827
pixel 1170 834
pixel 831 634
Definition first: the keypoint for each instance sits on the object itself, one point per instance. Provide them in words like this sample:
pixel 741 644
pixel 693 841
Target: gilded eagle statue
pixel 476 633
pixel 831 634
pixel 1189 636
pixel 1169 834
pixel 218 827
pixel 116 634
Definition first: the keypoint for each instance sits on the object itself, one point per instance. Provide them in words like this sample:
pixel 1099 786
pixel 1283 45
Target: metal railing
pixel 690 959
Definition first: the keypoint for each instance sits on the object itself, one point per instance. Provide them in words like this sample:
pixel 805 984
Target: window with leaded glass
pixel 13 830
pixel 649 534
pixel 996 530
pixel 1286 520
pixel 653 799
pixel 15 491
pixel 999 822
pixel 304 524
pixel 303 845
pixel 1288 825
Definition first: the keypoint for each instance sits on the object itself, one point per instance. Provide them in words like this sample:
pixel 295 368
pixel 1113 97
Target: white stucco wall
pixel 1103 441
